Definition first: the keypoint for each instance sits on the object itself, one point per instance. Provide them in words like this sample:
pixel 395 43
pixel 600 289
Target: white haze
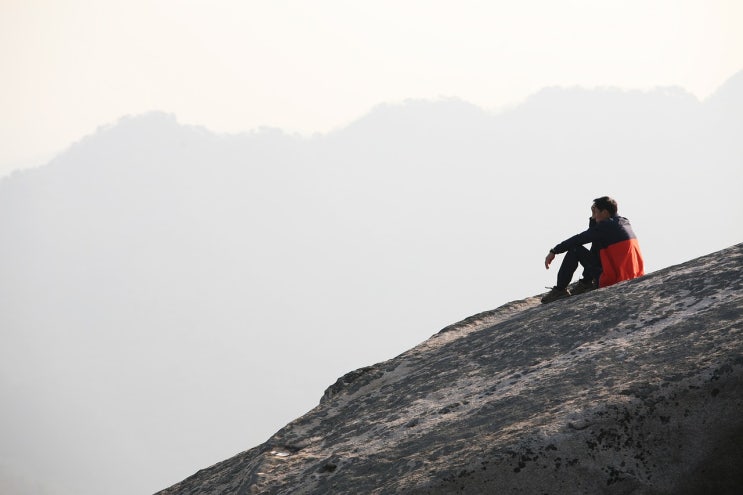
pixel 171 296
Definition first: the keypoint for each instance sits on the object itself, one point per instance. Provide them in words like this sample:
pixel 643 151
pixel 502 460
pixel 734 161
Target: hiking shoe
pixel 583 285
pixel 554 294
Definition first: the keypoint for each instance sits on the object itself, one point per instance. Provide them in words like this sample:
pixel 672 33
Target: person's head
pixel 604 208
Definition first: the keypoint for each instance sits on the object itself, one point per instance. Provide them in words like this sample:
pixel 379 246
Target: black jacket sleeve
pixel 590 235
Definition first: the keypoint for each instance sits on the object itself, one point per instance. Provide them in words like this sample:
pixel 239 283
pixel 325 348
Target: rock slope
pixel 632 389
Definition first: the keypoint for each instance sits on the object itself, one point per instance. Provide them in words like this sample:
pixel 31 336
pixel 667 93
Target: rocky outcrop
pixel 632 389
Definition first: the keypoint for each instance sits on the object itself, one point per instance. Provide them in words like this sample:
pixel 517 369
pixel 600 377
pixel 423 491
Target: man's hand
pixel 548 259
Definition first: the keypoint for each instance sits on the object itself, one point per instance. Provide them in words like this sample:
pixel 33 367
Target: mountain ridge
pixel 634 388
pixel 729 92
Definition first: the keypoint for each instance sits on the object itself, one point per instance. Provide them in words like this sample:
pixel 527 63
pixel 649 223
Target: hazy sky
pixel 69 66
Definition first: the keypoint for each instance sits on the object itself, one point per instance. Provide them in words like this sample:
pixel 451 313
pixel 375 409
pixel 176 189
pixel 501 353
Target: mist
pixel 171 296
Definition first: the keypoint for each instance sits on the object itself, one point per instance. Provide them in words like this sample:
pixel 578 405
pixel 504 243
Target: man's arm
pixel 548 259
pixel 590 235
pixel 584 237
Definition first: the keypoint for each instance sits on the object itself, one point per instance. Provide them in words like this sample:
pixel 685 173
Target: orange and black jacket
pixel 619 250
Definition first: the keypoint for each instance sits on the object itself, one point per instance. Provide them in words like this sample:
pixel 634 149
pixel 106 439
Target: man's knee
pixel 578 252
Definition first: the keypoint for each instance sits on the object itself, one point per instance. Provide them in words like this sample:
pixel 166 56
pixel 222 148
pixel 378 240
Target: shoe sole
pixel 555 298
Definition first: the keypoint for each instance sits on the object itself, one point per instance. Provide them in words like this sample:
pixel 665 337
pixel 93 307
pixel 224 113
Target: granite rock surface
pixel 632 389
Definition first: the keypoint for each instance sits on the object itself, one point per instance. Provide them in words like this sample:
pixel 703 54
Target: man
pixel 614 255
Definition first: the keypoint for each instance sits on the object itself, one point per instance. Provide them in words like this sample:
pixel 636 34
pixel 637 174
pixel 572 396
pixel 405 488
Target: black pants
pixel 579 255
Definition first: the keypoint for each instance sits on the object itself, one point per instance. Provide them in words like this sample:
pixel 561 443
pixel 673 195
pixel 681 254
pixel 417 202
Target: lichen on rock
pixel 636 388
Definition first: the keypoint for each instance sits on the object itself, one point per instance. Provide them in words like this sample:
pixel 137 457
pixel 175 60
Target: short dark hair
pixel 606 203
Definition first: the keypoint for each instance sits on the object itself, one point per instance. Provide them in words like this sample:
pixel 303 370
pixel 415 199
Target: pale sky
pixel 69 66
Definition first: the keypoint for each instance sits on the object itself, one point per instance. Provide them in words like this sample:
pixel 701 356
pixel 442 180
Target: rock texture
pixel 632 389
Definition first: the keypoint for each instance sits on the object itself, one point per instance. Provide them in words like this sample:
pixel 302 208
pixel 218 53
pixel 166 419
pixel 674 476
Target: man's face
pixel 599 215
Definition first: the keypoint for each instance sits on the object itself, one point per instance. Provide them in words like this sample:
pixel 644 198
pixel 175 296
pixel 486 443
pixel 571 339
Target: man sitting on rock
pixel 614 255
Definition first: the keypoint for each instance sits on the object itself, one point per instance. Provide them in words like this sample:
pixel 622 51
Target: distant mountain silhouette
pixel 156 276
pixel 729 94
